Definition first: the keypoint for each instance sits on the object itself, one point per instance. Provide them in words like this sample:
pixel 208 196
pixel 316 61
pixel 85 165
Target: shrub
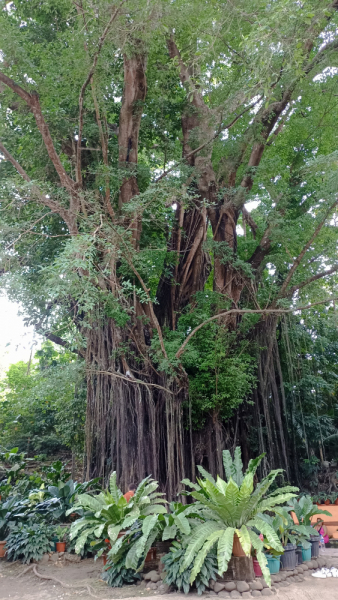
pixel 28 541
pixel 117 574
pixel 231 508
pixel 181 579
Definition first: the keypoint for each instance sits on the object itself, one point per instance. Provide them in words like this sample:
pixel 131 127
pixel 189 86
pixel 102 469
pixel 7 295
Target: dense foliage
pixel 168 196
pixel 42 403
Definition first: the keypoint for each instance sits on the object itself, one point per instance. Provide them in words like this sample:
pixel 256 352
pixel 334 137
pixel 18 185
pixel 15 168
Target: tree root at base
pixel 65 585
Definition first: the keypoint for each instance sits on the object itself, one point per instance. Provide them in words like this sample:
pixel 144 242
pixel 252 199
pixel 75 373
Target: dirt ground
pixel 18 586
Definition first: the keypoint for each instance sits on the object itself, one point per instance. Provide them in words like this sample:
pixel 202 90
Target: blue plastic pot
pixel 273 564
pixel 306 554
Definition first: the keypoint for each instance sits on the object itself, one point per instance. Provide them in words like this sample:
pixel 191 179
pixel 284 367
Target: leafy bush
pixel 233 508
pixel 286 530
pixel 28 541
pixel 61 498
pixel 181 579
pixel 304 510
pixel 109 513
pixel 117 574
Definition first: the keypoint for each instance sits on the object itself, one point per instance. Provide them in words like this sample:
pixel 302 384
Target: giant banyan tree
pixel 168 198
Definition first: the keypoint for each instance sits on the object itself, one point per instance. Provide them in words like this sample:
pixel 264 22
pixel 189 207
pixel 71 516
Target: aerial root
pixel 51 578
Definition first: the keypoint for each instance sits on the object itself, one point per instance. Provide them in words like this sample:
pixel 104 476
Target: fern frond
pixel 238 466
pixel 244 538
pixel 227 463
pixel 205 474
pixel 224 549
pixel 196 541
pixel 209 543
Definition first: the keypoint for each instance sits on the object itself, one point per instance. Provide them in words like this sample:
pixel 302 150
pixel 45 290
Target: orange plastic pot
pixel 60 546
pixel 237 549
pixel 2 549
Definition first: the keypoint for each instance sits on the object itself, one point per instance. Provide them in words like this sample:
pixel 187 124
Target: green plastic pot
pixel 273 563
pixel 54 539
pixel 306 554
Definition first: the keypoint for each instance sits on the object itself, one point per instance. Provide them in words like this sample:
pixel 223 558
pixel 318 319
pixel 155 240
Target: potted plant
pixel 334 498
pixel 232 512
pixel 305 510
pixel 61 533
pixel 108 515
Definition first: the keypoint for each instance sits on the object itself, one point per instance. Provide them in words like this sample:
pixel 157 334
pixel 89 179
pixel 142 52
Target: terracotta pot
pixel 2 549
pixel 237 549
pixel 104 558
pixel 336 501
pixel 151 555
pixel 327 501
pixel 60 546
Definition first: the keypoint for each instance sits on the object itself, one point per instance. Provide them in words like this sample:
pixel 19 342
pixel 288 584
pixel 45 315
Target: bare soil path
pixel 15 586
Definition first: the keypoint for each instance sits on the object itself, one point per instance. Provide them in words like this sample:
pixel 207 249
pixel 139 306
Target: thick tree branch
pixel 33 102
pixel 54 206
pixel 84 86
pixel 218 132
pixel 300 256
pixel 238 311
pixel 320 275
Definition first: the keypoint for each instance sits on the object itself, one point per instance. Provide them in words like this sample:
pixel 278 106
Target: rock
pixel 212 593
pixel 44 560
pixel 315 564
pixel 263 582
pixel 224 594
pixel 255 593
pixel 155 576
pixel 321 562
pixel 148 576
pixel 305 567
pixel 266 592
pixel 276 578
pixel 163 575
pixel 151 586
pixel 235 594
pixel 310 564
pixel 211 583
pixel 274 590
pixel 218 587
pixel 242 586
pixel 74 558
pixel 165 587
pixel 256 585
pixel 276 585
pixel 230 586
pixel 296 578
pixel 246 595
pixel 54 557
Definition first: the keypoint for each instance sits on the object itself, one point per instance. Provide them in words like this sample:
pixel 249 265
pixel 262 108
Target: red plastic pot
pixel 60 546
pixel 257 569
